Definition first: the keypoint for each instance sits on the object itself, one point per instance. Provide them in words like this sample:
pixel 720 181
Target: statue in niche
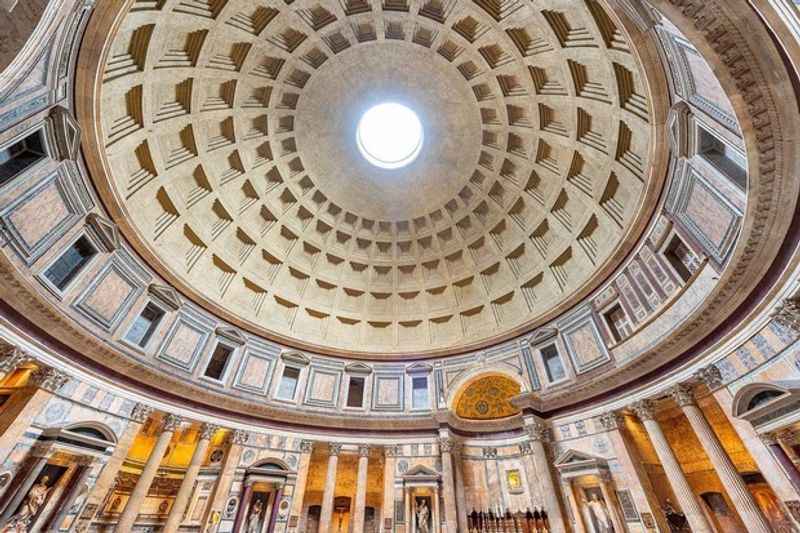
pixel 423 516
pixel 599 515
pixel 254 519
pixel 30 507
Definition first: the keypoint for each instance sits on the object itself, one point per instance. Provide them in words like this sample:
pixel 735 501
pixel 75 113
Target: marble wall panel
pixel 184 343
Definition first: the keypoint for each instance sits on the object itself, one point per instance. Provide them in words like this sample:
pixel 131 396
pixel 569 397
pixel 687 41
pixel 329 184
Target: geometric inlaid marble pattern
pixel 217 132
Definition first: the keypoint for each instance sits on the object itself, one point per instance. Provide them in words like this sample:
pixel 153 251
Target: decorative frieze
pixel 788 314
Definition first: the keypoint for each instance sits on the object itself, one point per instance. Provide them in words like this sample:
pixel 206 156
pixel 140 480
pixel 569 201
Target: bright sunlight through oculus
pixel 389 135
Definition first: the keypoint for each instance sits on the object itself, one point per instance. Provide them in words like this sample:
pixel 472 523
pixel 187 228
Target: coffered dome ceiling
pixel 229 158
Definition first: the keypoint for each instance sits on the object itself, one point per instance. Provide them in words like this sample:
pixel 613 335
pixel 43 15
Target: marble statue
pixel 36 497
pixel 423 514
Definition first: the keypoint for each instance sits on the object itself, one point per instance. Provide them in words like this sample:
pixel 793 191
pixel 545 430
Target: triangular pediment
pixel 358 368
pixel 165 295
pixel 542 335
pixel 571 457
pixel 231 334
pixel 104 231
pixel 421 471
pixel 419 368
pixel 293 356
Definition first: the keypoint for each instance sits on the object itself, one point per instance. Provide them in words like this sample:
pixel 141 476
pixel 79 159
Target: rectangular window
pixel 355 392
pixel 419 393
pixel 552 363
pixel 288 384
pixel 20 156
pixel 682 259
pixel 724 158
pixel 218 362
pixel 617 322
pixel 71 262
pixel 145 324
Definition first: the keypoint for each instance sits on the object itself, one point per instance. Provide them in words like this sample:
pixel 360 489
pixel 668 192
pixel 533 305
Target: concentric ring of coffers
pixel 199 110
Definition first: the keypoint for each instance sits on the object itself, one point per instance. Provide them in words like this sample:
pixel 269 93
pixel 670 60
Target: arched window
pixel 760 398
pixel 93 432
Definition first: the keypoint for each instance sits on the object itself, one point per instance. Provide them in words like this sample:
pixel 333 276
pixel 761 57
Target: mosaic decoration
pixel 488 398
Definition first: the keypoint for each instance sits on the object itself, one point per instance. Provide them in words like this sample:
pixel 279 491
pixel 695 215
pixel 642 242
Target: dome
pixel 226 146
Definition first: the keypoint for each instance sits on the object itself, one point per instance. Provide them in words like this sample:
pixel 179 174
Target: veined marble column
pixel 687 500
pixel 306 446
pixel 178 509
pixel 326 515
pixel 446 445
pixel 361 489
pixel 134 503
pixel 42 384
pixel 611 501
pixel 108 475
pixel 628 456
pixel 728 474
pixel 537 431
pixel 389 454
pixel 461 498
pixel 222 488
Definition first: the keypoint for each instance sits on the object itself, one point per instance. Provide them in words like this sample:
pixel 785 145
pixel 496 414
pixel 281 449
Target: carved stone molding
pixel 787 314
pixel 141 413
pixel 48 378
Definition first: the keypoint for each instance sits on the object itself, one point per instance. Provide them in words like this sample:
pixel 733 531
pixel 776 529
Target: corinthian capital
pixel 363 450
pixel 538 431
pixel 683 395
pixel 12 357
pixel 306 446
pixel 446 444
pixel 334 448
pixel 172 422
pixel 610 421
pixel 141 413
pixel 644 409
pixel 48 378
pixel 710 376
pixel 240 437
pixel 207 431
